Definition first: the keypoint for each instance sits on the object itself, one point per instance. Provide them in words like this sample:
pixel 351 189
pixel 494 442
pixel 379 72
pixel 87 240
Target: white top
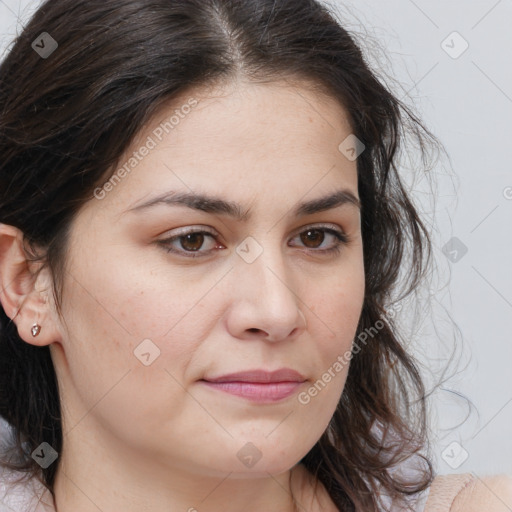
pixel 28 496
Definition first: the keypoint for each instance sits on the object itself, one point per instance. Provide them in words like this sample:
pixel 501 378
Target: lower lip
pixel 257 391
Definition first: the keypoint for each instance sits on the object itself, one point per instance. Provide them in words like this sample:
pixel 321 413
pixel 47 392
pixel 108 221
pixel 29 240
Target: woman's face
pixel 147 321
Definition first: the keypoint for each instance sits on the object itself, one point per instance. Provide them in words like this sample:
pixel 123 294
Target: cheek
pixel 115 326
pixel 336 308
pixel 136 299
pixel 118 318
pixel 340 311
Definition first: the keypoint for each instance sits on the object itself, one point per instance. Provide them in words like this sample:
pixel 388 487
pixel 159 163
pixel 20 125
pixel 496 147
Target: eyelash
pixel 342 239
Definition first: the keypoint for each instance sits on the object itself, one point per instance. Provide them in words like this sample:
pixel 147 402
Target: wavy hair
pixel 65 122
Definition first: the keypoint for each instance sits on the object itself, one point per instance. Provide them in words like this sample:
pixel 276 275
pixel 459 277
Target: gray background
pixel 465 99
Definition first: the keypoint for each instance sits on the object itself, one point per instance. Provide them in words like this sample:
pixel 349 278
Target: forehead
pixel 242 136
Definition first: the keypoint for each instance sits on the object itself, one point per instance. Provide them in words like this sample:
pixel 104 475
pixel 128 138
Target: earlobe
pixel 27 306
pixel 35 330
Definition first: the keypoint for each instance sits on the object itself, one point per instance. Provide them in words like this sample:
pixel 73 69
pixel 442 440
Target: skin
pixel 492 493
pixel 155 437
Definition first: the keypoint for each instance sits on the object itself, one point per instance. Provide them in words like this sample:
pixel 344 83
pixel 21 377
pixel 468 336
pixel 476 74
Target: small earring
pixel 36 329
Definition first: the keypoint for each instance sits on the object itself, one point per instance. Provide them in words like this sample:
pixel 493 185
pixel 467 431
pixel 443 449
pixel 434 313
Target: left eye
pixel 192 241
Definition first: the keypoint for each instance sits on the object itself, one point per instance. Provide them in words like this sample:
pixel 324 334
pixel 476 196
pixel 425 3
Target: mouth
pixel 258 385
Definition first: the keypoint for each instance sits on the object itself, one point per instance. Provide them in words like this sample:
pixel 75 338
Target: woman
pixel 202 232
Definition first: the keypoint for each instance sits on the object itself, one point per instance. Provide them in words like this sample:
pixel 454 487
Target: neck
pixel 88 480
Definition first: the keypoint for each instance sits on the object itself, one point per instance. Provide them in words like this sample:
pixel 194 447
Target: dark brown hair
pixel 65 122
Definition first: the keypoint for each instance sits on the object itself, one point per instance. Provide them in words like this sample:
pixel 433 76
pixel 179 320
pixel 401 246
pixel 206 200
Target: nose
pixel 265 304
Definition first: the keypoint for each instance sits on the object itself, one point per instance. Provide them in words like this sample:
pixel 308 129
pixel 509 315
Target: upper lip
pixel 281 375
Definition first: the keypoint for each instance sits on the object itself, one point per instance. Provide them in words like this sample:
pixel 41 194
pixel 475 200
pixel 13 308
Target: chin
pixel 268 458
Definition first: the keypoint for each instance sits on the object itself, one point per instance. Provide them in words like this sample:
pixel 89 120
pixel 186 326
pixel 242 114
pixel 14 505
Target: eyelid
pixel 318 225
pixel 200 229
pixel 193 229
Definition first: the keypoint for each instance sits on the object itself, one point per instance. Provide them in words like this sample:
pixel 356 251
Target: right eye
pixel 190 241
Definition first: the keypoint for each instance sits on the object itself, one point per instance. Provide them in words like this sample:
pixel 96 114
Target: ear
pixel 25 294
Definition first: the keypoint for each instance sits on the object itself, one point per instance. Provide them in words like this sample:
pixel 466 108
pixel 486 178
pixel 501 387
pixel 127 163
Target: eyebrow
pixel 217 205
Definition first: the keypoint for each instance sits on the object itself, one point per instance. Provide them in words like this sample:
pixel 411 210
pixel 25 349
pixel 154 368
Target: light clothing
pixel 27 496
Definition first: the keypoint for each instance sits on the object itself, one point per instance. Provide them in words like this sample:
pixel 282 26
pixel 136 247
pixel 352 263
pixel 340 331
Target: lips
pixel 260 376
pixel 258 385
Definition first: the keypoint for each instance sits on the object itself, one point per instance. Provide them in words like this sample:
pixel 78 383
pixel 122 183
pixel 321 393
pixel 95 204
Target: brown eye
pixel 191 244
pixel 322 240
pixel 192 241
pixel 312 238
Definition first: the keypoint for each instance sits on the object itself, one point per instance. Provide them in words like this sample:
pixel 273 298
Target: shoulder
pixel 490 493
pixel 470 493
